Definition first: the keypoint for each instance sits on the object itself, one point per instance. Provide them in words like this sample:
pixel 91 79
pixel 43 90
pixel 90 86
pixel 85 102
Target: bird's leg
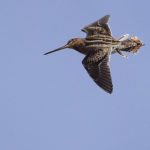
pixel 120 53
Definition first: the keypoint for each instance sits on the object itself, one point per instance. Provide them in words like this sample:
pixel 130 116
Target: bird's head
pixel 73 43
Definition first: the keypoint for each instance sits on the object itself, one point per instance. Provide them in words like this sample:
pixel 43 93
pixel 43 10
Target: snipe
pixel 97 47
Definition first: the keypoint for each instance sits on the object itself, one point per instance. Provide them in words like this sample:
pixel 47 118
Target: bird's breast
pixel 82 49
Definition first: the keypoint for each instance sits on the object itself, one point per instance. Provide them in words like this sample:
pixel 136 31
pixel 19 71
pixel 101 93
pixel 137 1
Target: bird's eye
pixel 70 41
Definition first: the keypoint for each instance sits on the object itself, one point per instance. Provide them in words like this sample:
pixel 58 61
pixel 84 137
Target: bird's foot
pixel 120 53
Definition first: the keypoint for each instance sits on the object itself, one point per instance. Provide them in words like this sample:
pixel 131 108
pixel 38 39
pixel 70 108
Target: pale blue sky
pixel 50 102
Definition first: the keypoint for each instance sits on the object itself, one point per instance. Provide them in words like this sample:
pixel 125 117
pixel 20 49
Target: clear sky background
pixel 50 102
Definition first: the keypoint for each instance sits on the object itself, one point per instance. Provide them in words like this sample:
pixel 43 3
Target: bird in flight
pixel 97 46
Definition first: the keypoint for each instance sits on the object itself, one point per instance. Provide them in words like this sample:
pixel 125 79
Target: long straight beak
pixel 58 49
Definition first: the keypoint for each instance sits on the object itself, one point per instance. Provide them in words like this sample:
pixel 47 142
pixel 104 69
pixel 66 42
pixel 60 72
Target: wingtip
pixel 105 19
pixel 108 16
pixel 110 92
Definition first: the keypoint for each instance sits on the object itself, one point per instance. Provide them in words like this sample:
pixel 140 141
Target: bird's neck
pixel 80 46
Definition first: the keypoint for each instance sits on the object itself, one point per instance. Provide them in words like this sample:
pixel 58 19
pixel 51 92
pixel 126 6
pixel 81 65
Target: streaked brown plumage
pixel 98 46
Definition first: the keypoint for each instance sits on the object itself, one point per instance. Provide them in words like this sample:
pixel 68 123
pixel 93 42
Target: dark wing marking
pixel 97 67
pixel 98 27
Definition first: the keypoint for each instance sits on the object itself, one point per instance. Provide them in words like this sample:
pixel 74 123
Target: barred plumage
pixel 98 46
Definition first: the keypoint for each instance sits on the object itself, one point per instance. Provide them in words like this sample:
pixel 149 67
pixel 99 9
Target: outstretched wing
pixel 98 27
pixel 96 64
